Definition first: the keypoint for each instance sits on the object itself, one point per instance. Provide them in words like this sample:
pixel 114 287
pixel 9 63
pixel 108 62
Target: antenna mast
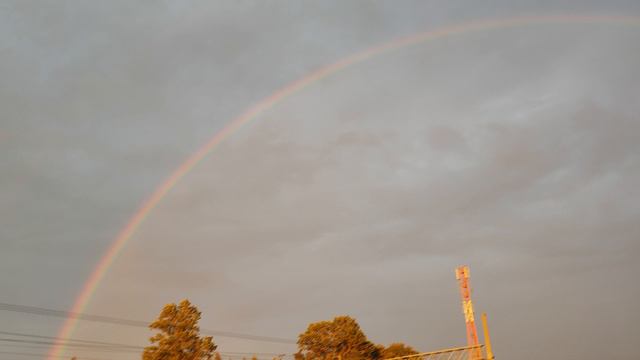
pixel 462 275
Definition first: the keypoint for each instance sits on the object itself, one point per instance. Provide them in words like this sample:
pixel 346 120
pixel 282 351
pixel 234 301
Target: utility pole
pixel 487 339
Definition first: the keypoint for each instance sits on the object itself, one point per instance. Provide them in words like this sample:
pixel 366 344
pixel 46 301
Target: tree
pixel 340 338
pixel 397 350
pixel 179 336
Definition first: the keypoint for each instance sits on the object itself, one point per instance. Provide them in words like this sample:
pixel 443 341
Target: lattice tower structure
pixel 462 275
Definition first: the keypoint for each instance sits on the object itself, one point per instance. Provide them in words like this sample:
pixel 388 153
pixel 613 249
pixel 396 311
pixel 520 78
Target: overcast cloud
pixel 512 150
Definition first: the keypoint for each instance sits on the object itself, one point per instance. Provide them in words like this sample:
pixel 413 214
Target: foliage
pixel 179 335
pixel 340 339
pixel 397 350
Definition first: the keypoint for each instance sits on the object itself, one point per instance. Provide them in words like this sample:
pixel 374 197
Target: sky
pixel 512 150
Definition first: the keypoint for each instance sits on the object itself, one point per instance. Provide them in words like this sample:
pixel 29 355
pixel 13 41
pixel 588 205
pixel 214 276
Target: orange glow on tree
pixel 179 335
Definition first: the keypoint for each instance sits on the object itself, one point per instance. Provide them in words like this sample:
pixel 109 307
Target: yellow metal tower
pixel 487 340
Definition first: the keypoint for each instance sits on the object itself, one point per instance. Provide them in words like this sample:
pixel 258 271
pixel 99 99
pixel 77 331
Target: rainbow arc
pixel 268 103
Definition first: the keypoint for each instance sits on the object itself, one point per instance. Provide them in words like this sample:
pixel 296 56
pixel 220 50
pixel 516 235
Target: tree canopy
pixel 179 335
pixel 178 338
pixel 397 350
pixel 340 338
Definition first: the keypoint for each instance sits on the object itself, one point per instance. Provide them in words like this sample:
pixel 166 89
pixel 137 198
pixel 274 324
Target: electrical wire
pixel 68 340
pixel 137 323
pixel 86 346
pixel 100 346
pixel 43 355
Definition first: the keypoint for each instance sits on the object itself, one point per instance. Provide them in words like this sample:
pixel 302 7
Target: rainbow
pixel 81 302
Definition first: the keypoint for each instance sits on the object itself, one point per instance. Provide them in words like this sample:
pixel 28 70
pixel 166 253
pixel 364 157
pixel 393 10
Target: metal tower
pixel 462 275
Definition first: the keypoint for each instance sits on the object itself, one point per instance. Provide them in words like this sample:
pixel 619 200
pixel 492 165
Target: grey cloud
pixel 315 220
pixel 514 151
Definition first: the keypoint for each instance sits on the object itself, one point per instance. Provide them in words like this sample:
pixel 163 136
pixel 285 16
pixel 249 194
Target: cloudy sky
pixel 512 150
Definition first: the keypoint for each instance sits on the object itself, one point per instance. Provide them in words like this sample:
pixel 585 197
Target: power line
pixel 227 355
pixel 77 345
pixel 92 345
pixel 136 323
pixel 68 339
pixel 42 355
pixel 49 343
pixel 115 347
pixel 43 346
pixel 25 344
